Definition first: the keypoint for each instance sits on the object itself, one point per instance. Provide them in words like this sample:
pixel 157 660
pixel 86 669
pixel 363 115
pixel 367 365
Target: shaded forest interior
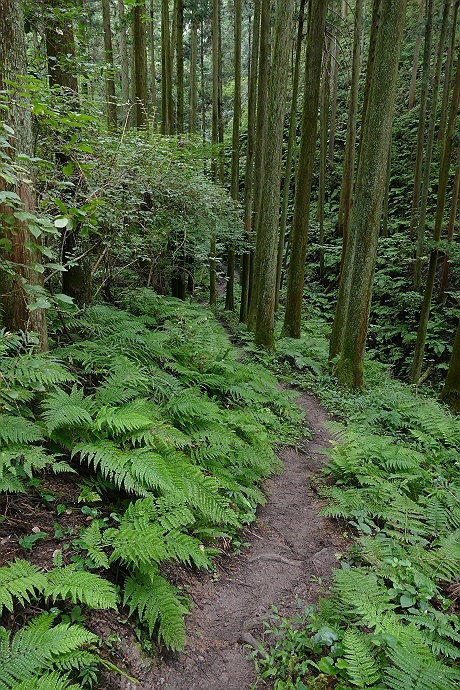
pixel 295 164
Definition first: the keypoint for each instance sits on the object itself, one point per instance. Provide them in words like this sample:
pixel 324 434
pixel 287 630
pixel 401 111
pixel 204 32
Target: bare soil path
pixel 290 556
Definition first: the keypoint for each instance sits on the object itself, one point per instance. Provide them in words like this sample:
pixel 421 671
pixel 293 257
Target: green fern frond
pixel 21 581
pixel 412 672
pixel 360 591
pixel 18 430
pixel 61 409
pixel 156 603
pixel 80 586
pixel 46 681
pixel 90 539
pixel 132 416
pixel 362 670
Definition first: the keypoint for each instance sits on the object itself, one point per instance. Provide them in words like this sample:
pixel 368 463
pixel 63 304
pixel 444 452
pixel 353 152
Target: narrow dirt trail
pixel 291 554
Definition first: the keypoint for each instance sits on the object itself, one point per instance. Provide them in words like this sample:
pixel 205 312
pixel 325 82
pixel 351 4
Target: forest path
pixel 290 556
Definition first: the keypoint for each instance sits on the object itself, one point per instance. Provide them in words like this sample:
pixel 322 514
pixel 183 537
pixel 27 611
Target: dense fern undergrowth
pixel 392 481
pixel 171 436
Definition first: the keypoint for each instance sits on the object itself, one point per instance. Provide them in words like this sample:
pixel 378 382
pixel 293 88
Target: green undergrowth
pixel 171 436
pixel 393 483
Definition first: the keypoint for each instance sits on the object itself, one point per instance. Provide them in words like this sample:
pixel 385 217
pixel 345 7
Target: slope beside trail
pixel 290 554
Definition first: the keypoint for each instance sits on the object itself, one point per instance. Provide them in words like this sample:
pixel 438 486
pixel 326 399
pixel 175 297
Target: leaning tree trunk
pixel 351 319
pixel 21 288
pixel 441 201
pixel 109 68
pixel 266 245
pixel 304 177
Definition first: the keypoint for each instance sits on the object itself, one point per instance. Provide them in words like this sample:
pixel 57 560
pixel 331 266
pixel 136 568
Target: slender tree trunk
pixel 450 230
pixel 335 84
pixel 140 62
pixel 351 320
pixel 110 71
pixel 202 91
pixel 266 245
pixel 299 232
pixel 429 149
pixel 235 184
pixel 193 84
pixel 290 150
pixel 261 136
pixel 451 391
pixel 422 119
pixel 180 65
pixel 250 151
pixel 323 128
pixel 418 43
pixel 448 70
pixel 215 140
pixel 153 75
pixel 441 201
pixel 124 63
pixel 386 200
pixel 348 174
pixel 167 110
pixel 15 301
pixel 60 51
pixel 376 7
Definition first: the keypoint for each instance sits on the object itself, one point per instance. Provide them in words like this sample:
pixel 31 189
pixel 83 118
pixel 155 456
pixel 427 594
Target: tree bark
pixel 167 110
pixel 418 43
pixel 193 84
pixel 290 150
pixel 334 81
pixel 450 230
pixel 441 201
pixel 266 244
pixel 448 70
pixel 351 319
pixel 15 298
pixel 124 64
pixel 299 232
pixel 153 71
pixel 180 65
pixel 111 104
pixel 140 63
pixel 451 391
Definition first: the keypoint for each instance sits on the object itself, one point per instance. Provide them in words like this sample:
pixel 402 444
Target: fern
pixel 156 604
pixel 79 585
pixel 362 670
pixel 21 581
pixel 46 681
pixel 18 430
pixel 413 672
pixel 61 409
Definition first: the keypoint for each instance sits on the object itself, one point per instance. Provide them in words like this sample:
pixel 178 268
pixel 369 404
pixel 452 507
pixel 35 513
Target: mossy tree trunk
pixel 111 104
pixel 15 298
pixel 192 120
pixel 450 230
pixel 215 165
pixel 418 43
pixel 140 62
pixel 299 232
pixel 124 60
pixel 266 245
pixel 351 319
pixel 448 70
pixel 292 136
pixel 451 392
pixel 235 182
pixel 153 71
pixel 250 150
pixel 180 65
pixel 167 111
pixel 439 220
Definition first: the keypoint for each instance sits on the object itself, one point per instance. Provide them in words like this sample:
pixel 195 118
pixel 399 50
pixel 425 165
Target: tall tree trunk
pixel 261 136
pixel 250 151
pixel 14 299
pixel 202 91
pixel 193 84
pixel 441 201
pixel 448 70
pixel 153 71
pixel 299 232
pixel 376 7
pixel 235 183
pixel 418 43
pixel 351 319
pixel 124 64
pixel 180 65
pixel 215 140
pixel 167 110
pixel 422 119
pixel 323 130
pixel 140 62
pixel 334 80
pixel 290 150
pixel 386 199
pixel 110 71
pixel 450 230
pixel 266 245
pixel 451 390
pixel 60 51
pixel 348 174
pixel 429 149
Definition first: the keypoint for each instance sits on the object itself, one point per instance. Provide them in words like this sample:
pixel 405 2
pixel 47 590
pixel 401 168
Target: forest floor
pixel 288 555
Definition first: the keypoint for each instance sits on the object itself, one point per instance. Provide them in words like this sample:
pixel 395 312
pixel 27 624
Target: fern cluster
pixel 393 475
pixel 152 401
